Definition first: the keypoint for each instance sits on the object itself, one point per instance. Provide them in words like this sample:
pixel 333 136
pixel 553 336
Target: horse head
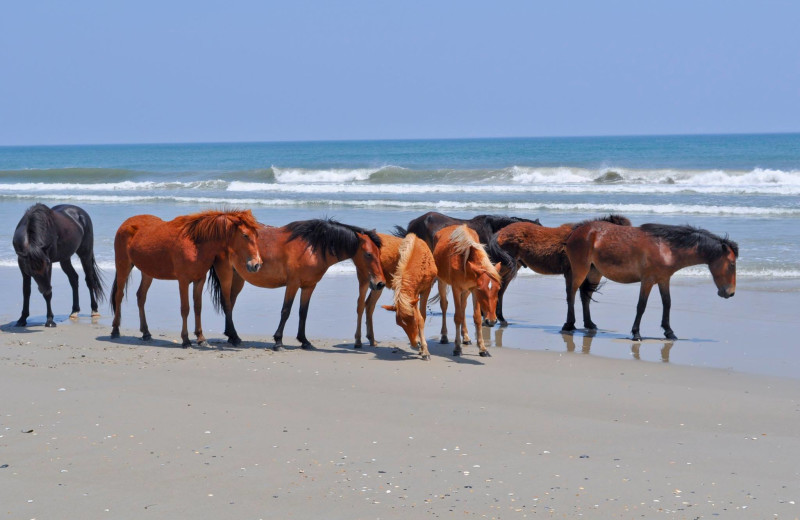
pixel 723 269
pixel 406 317
pixel 368 261
pixel 243 243
pixel 486 290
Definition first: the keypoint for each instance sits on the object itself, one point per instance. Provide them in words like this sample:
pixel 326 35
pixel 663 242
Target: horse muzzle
pixel 489 323
pixel 726 293
pixel 252 266
pixel 376 286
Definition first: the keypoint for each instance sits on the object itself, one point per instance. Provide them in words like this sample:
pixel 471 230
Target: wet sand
pixel 95 428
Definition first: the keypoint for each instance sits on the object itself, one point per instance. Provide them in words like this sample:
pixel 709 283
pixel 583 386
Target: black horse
pixel 426 226
pixel 46 235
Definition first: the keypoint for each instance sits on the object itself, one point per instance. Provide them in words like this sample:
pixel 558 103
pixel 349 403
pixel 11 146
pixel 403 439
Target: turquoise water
pixel 747 186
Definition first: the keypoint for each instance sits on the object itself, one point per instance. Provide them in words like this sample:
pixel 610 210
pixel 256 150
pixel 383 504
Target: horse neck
pixel 687 257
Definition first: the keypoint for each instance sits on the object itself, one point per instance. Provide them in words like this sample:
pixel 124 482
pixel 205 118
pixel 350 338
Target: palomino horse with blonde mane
pixel 296 256
pixel 649 254
pixel 541 249
pixel 182 249
pixel 410 270
pixel 462 262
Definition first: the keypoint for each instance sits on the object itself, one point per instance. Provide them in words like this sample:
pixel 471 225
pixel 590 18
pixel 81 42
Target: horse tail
pixel 112 296
pixel 96 283
pixel 588 289
pixel 400 232
pixel 498 254
pixel 619 220
pixel 215 289
pixel 434 299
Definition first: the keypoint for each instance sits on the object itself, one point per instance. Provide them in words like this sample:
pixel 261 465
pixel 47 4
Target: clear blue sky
pixel 185 71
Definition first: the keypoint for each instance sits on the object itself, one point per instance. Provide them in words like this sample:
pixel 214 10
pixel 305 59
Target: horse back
pixel 428 225
pixel 621 253
pixel 390 255
pixel 449 264
pixel 539 248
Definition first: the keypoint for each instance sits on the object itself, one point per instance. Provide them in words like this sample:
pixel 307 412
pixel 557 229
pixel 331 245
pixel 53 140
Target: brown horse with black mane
pixel 182 249
pixel 541 249
pixel 296 256
pixel 410 270
pixel 649 254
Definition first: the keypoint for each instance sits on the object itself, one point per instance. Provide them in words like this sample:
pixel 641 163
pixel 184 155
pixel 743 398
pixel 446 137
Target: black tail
pixel 588 289
pixel 400 232
pixel 498 254
pixel 215 289
pixel 96 283
pixel 112 296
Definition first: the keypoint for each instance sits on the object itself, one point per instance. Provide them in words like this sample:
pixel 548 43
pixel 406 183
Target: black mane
pixel 498 222
pixel 709 245
pixel 40 232
pixel 612 218
pixel 330 237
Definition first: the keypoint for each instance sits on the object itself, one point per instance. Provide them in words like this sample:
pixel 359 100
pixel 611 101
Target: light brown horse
pixel 182 249
pixel 541 249
pixel 297 256
pixel 462 262
pixel 410 270
pixel 649 254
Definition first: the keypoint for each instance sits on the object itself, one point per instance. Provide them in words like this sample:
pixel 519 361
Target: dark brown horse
pixel 426 226
pixel 541 249
pixel 297 256
pixel 649 254
pixel 46 235
pixel 182 249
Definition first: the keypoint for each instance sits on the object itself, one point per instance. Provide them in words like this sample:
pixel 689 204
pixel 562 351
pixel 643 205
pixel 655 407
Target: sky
pixel 95 72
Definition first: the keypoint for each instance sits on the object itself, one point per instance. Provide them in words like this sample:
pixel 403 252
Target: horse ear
pixel 390 308
pixel 415 302
pixel 498 266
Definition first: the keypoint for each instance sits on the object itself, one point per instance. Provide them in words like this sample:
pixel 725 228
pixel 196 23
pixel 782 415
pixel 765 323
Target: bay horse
pixel 410 270
pixel 649 254
pixel 46 235
pixel 541 249
pixel 182 249
pixel 426 226
pixel 296 256
pixel 462 262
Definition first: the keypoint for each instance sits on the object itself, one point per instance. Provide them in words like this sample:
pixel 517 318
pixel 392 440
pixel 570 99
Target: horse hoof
pixel 186 343
pixel 235 341
pixel 457 352
pixel 484 353
pixel 115 333
pixel 21 323
pixel 308 346
pixel 96 314
pixel 278 348
pixel 146 336
pixel 426 357
pixel 202 343
pixel 444 340
pixel 670 335
pixel 590 326
pixel 50 323
pixel 568 327
pixel 357 345
pixel 73 316
pixel 467 342
pixel 637 337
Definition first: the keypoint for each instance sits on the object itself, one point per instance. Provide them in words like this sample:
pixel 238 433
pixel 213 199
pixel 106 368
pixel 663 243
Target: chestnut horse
pixel 410 270
pixel 541 249
pixel 426 226
pixel 462 262
pixel 649 254
pixel 46 235
pixel 182 249
pixel 296 256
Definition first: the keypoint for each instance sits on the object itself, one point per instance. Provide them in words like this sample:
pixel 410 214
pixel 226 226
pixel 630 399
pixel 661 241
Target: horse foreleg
pixel 372 300
pixel 73 278
pixel 26 300
pixel 288 300
pixel 305 297
pixel 422 344
pixel 464 329
pixel 666 302
pixel 503 286
pixel 459 299
pixel 588 287
pixel 141 298
pixel 236 284
pixel 644 293
pixel 197 304
pixel 478 320
pixel 443 306
pixel 360 304
pixel 183 288
pixel 43 283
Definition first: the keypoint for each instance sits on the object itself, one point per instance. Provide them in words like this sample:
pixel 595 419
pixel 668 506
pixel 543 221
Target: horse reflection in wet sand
pixel 462 262
pixel 182 249
pixel 296 256
pixel 46 235
pixel 649 254
pixel 410 270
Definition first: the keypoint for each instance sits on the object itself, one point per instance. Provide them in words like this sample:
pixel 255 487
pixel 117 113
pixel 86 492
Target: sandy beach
pixel 97 428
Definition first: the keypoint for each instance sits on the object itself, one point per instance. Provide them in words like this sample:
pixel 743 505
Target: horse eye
pixel 245 236
pixel 368 254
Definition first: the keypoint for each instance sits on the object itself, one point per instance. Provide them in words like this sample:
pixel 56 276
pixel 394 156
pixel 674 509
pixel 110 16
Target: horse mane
pixel 401 300
pixel 613 218
pixel 214 225
pixel 709 245
pixel 463 243
pixel 330 237
pixel 497 222
pixel 41 234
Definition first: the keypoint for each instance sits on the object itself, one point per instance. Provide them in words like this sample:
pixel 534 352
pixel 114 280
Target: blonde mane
pixel 402 300
pixel 463 243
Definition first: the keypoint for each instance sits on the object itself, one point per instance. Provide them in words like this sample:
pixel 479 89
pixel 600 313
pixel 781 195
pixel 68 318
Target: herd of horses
pixel 478 257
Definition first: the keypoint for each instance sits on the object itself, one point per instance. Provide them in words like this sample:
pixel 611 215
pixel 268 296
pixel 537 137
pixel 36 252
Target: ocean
pixel 745 186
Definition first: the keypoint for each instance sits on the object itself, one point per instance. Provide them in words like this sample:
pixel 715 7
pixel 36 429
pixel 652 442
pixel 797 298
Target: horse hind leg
pixel 141 298
pixel 644 293
pixel 666 302
pixel 73 278
pixel 305 298
pixel 587 289
pixel 478 320
pixel 43 283
pixel 464 328
pixel 286 309
pixel 198 311
pixel 183 288
pixel 443 306
pixel 26 301
pixel 93 281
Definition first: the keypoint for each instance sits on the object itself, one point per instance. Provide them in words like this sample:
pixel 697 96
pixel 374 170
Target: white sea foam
pixel 111 186
pixel 299 175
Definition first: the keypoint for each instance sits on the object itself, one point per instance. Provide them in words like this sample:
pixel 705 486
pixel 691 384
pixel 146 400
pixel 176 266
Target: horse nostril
pixel 381 285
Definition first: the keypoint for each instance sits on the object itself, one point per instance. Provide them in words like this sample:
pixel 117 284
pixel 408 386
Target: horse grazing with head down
pixel 46 235
pixel 541 249
pixel 182 249
pixel 462 262
pixel 649 254
pixel 410 270
pixel 296 256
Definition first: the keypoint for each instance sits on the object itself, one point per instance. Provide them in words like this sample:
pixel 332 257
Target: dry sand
pixel 95 428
